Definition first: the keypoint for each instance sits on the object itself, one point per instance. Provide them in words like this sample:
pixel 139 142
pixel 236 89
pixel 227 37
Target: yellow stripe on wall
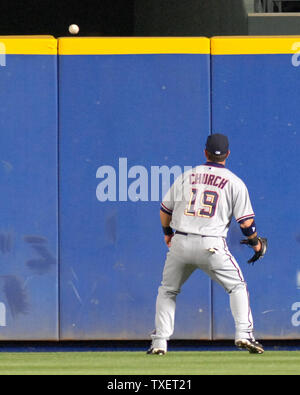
pixel 235 45
pixel 133 46
pixel 247 45
pixel 28 45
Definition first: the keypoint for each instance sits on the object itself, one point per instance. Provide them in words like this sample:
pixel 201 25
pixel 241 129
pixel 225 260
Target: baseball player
pixel 195 215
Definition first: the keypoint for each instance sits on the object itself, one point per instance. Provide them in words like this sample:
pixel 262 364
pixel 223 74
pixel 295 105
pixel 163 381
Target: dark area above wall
pixel 94 17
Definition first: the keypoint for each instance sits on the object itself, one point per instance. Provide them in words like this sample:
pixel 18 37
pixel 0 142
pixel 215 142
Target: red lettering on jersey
pixel 192 179
pixel 198 178
pixel 211 179
pixel 223 183
pixel 205 178
pixel 215 184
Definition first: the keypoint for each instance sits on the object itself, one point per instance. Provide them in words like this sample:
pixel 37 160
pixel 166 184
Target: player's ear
pixel 205 153
pixel 228 153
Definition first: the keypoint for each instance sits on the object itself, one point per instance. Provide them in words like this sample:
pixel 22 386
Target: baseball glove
pixel 259 254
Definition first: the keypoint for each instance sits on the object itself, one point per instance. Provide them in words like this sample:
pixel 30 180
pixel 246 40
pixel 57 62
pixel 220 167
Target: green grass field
pixel 137 363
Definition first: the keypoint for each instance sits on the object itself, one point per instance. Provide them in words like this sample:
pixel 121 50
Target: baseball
pixel 74 29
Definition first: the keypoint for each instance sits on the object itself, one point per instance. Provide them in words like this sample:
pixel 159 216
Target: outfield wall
pixel 87 126
pixel 29 193
pixel 136 103
pixel 255 100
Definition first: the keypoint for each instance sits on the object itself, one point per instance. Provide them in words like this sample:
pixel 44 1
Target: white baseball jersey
pixel 205 199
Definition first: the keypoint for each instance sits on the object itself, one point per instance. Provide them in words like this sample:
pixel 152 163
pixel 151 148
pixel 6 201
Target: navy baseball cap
pixel 217 144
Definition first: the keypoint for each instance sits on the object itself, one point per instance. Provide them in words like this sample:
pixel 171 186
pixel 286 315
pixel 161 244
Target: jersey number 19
pixel 208 204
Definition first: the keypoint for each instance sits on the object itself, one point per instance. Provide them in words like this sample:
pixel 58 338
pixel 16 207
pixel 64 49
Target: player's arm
pixel 241 211
pixel 248 229
pixel 244 215
pixel 166 212
pixel 165 219
pixel 259 244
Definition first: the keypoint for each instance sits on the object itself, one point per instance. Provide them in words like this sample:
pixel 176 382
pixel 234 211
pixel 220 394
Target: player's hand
pixel 168 240
pixel 260 249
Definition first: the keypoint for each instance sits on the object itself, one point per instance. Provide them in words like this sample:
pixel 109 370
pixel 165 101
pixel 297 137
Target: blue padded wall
pixel 28 173
pixel 128 109
pixel 255 100
pixel 145 109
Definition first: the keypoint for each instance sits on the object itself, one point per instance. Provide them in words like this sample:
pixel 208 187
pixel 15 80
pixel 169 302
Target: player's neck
pixel 217 163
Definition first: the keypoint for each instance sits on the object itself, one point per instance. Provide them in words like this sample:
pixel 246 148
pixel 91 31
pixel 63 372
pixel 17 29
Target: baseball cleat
pixel 156 351
pixel 251 345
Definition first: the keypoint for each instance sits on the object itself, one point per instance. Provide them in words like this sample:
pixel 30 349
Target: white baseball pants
pixel 210 254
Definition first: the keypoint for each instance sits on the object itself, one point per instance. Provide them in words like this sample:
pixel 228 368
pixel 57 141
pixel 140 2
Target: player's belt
pixel 186 234
pixel 181 233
